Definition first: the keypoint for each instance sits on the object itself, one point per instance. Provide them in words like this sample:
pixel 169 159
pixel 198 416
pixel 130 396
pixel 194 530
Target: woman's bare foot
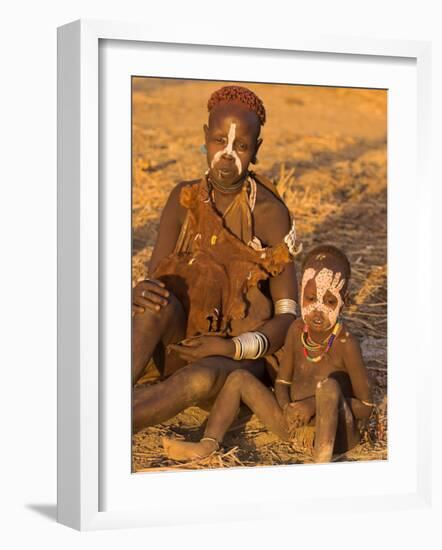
pixel 185 450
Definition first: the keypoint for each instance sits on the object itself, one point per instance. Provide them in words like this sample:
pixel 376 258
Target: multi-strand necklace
pixel 225 188
pixel 249 182
pixel 309 345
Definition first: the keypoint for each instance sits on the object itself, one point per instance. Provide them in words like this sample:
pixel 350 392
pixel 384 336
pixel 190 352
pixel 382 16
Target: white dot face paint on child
pixel 326 280
pixel 228 150
pixel 309 273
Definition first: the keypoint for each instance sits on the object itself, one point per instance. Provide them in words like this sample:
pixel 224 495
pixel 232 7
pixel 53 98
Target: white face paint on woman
pixel 228 150
pixel 326 280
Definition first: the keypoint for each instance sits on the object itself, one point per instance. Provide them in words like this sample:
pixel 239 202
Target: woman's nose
pixel 228 154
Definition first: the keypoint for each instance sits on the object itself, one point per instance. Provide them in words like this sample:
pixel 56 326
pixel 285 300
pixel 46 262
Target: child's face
pixel 321 297
pixel 231 141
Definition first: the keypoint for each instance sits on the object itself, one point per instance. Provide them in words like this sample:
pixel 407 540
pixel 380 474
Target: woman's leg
pixel 335 423
pixel 189 386
pixel 241 386
pixel 150 329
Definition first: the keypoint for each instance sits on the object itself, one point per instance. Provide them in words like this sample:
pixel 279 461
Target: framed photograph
pixel 207 192
pixel 325 158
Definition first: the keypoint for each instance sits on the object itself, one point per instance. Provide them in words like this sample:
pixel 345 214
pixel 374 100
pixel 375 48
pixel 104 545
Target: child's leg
pixel 195 383
pixel 335 422
pixel 240 386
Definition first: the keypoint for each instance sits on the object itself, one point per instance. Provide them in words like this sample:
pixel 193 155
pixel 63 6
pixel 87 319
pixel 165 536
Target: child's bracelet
pixel 281 381
pixel 367 403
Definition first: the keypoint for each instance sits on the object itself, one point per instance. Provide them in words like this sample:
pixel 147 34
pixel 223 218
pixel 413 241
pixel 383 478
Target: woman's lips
pixel 225 172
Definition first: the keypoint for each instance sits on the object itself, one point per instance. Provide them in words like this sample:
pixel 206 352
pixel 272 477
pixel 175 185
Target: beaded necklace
pixel 310 345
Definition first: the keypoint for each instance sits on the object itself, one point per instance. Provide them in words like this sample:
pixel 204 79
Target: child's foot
pixel 185 450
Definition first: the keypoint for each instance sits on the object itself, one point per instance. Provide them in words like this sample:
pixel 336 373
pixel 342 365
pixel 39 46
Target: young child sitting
pixel 322 378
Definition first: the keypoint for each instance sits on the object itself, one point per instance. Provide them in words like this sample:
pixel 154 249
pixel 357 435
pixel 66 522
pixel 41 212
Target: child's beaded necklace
pixel 310 345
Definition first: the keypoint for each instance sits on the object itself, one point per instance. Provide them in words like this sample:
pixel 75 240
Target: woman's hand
pixel 150 294
pixel 300 413
pixel 196 348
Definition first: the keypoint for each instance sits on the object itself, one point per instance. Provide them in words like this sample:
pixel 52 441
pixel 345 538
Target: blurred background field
pixel 326 149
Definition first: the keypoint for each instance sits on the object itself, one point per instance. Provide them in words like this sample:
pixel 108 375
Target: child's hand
pixel 299 414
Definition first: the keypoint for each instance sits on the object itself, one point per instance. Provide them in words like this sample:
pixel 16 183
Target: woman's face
pixel 232 142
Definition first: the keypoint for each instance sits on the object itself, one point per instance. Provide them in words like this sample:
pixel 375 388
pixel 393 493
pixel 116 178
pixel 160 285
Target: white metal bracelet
pixel 285 305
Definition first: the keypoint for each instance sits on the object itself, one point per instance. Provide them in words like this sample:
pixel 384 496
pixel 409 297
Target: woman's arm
pixel 171 221
pixel 152 294
pixel 283 285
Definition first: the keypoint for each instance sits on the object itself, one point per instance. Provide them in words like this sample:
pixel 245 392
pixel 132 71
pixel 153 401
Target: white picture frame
pixel 82 445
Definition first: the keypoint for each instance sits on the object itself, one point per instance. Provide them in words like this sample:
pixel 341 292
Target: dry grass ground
pixel 326 149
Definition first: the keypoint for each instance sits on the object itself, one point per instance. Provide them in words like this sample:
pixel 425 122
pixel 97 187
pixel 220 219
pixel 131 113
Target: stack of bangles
pixel 285 305
pixel 250 345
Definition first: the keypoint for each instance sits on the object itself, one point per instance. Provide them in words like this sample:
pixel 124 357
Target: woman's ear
pixel 258 145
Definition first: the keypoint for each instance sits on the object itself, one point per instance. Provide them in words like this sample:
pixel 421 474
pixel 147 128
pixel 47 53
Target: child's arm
pixel 285 373
pixel 362 404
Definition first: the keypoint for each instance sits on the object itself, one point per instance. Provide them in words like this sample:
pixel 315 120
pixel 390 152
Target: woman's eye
pixel 242 146
pixel 219 140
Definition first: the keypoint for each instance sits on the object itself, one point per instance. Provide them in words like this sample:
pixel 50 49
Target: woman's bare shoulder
pixel 179 196
pixel 272 216
pixel 178 188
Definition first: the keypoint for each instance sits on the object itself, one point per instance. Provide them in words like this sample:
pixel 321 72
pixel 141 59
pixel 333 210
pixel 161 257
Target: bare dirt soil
pixel 326 149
